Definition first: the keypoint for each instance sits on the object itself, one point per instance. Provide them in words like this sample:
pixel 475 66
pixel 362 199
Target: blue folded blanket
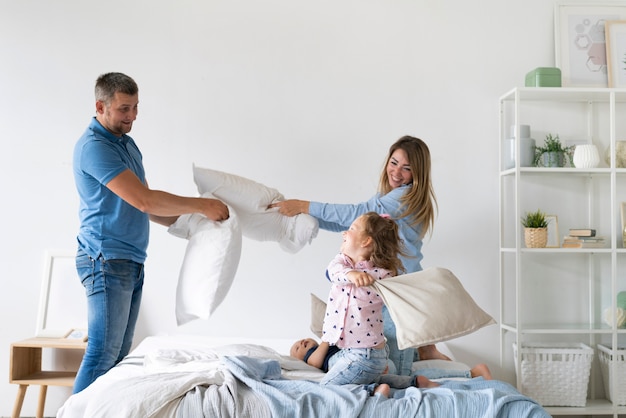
pixel 301 398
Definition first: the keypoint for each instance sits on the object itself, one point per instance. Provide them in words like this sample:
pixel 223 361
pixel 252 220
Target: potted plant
pixel 535 229
pixel 552 153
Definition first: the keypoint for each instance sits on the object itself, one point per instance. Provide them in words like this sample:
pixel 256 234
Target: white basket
pixel 605 354
pixel 555 374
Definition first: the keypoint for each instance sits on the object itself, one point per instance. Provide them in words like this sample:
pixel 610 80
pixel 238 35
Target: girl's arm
pixel 338 269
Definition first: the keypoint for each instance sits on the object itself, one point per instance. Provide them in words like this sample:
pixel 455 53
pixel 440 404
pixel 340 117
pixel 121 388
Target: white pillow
pixel 250 200
pixel 209 265
pixel 427 307
pixel 430 306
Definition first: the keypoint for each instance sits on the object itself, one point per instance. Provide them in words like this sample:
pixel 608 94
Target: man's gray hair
pixel 110 83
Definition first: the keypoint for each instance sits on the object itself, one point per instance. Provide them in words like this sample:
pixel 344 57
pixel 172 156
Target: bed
pixel 198 376
pixel 185 376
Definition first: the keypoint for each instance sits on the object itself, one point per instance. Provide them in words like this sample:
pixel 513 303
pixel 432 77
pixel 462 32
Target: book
pixel 583 245
pixel 586 239
pixel 571 241
pixel 582 232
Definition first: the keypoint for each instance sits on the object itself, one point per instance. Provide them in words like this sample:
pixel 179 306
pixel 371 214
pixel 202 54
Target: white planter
pixel 586 156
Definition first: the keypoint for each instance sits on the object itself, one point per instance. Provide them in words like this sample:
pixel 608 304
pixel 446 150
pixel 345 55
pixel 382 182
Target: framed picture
pixel 616 52
pixel 580 42
pixel 553 232
pixel 62 302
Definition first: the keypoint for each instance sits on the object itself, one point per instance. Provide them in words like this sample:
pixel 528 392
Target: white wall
pixel 302 96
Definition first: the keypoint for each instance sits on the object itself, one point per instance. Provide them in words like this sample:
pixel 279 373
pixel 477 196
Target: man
pixel 116 205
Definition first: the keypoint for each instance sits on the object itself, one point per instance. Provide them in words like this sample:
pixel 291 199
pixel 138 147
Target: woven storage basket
pixel 555 374
pixel 605 354
pixel 536 237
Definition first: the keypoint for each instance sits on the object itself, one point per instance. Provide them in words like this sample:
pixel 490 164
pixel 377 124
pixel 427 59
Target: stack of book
pixel 583 238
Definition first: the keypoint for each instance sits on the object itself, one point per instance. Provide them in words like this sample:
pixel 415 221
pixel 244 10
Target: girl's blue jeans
pixel 113 289
pixel 356 366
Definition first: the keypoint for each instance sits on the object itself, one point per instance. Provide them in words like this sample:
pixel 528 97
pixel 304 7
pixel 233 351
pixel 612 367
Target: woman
pixel 406 194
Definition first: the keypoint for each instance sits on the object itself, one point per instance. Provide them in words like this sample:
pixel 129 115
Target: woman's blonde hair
pixel 386 243
pixel 419 202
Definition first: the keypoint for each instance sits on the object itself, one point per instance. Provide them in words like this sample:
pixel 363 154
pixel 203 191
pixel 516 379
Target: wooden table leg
pixel 42 401
pixel 19 400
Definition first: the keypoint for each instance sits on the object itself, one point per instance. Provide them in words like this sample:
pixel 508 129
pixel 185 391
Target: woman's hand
pixel 291 207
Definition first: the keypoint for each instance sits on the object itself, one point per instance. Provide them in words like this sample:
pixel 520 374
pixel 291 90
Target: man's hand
pixel 214 209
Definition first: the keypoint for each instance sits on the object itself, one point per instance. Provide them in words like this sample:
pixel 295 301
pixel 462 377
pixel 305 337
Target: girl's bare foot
pixel 383 389
pixel 430 352
pixel 423 382
pixel 481 370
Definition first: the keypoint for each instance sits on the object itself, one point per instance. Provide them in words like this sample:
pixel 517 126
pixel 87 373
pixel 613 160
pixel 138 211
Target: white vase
pixel 586 156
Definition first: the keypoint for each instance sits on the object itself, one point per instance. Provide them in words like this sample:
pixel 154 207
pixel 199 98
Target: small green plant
pixel 535 220
pixel 553 147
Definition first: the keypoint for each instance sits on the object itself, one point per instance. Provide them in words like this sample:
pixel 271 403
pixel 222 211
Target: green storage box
pixel 544 77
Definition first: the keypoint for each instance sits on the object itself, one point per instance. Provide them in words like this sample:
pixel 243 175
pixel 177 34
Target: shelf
pixel 594 406
pixel 606 250
pixel 560 328
pixel 541 289
pixel 560 170
pixel 47 378
pixel 563 94
pixel 64 343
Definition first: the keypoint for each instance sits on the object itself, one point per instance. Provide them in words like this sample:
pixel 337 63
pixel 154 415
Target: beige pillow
pixel 427 307
pixel 430 306
pixel 318 310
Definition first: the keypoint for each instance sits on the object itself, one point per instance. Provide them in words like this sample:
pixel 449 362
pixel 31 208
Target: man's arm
pixel 163 207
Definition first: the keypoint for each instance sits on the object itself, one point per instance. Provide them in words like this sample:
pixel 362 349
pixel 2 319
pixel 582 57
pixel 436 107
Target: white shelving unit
pixel 560 294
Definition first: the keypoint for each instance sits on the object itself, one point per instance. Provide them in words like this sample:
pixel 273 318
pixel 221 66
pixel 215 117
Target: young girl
pixel 354 318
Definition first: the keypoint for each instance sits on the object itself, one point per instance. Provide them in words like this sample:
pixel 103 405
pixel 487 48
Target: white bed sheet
pixel 161 369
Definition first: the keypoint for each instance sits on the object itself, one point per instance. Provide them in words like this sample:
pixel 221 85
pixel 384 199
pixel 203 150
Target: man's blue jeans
pixel 113 289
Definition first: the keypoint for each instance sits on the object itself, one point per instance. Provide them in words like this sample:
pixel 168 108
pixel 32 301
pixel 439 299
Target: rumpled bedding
pixel 245 380
pixel 472 398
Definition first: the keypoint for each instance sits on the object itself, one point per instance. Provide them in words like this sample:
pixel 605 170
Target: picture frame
pixel 62 303
pixel 553 232
pixel 615 31
pixel 580 40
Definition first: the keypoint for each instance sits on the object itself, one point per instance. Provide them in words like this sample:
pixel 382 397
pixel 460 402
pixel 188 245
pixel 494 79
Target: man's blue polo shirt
pixel 108 225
